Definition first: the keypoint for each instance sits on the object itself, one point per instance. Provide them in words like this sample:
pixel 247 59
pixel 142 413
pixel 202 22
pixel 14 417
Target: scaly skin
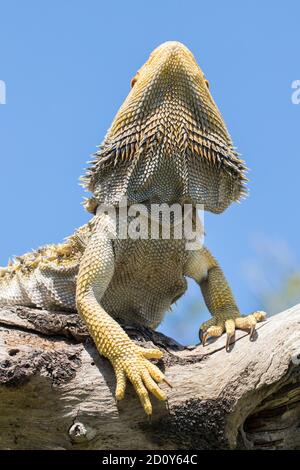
pixel 220 301
pixel 167 144
pixel 95 274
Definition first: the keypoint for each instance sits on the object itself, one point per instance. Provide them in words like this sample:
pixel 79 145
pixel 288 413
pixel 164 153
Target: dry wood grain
pixel 56 392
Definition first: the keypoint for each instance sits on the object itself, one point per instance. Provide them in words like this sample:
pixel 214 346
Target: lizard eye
pixel 134 80
pixel 206 83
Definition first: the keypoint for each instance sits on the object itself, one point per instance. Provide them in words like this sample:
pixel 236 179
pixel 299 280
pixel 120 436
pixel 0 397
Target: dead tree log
pixel 56 392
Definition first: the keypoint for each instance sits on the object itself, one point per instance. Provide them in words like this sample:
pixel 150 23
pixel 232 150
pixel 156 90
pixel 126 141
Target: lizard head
pixel 168 141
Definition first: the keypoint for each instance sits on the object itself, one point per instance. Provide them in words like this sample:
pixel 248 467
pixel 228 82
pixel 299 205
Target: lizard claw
pixel 228 341
pixel 252 331
pixel 249 322
pixel 212 331
pixel 215 328
pixel 203 337
pixel 230 330
pixel 168 383
pixel 142 373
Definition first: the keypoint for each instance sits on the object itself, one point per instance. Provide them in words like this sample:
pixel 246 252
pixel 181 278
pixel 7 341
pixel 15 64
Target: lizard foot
pixel 142 373
pixel 215 327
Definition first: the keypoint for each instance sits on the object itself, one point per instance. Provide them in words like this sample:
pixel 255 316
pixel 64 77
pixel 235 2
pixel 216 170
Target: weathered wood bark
pixel 57 393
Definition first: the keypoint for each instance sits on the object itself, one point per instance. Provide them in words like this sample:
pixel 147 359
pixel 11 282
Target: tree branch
pixel 56 392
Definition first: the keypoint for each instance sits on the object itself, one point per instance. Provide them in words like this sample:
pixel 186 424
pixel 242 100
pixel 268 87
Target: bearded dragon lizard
pixel 167 144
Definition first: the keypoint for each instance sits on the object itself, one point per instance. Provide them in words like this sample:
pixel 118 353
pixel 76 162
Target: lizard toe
pixel 249 322
pixel 216 327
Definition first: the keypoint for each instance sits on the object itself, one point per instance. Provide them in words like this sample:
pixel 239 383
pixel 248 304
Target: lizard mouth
pixel 168 141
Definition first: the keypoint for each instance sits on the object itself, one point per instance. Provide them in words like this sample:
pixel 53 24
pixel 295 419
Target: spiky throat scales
pixel 168 142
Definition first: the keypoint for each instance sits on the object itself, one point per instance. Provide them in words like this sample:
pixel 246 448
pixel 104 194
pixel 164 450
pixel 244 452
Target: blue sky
pixel 67 66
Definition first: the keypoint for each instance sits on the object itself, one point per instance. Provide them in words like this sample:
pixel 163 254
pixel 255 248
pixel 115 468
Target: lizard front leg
pixel 204 268
pixel 128 359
